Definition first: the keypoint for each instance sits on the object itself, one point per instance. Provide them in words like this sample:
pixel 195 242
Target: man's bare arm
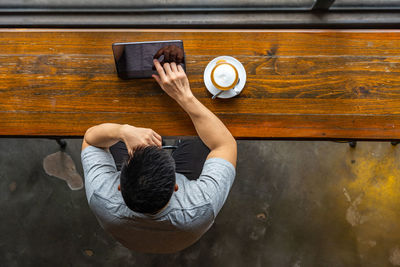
pixel 107 134
pixel 211 130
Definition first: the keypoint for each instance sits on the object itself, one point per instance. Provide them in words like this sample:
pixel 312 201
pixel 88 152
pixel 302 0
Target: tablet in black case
pixel 135 60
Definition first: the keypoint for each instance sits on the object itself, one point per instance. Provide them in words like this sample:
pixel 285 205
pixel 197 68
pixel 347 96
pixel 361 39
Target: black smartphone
pixel 135 60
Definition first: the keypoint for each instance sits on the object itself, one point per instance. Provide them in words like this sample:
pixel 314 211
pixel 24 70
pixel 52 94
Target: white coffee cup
pixel 224 75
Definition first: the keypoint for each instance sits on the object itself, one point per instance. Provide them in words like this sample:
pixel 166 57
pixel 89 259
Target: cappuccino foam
pixel 224 75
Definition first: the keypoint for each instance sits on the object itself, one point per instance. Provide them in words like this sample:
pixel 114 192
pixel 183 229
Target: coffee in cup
pixel 224 75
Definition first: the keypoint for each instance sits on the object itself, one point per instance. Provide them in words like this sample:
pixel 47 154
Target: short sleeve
pixel 98 164
pixel 216 180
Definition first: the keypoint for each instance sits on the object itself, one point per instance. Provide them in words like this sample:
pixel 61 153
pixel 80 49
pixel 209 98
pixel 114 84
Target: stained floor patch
pixel 395 256
pixel 61 165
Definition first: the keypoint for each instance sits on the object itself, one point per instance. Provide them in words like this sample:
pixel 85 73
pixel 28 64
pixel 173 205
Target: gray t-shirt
pixel 189 214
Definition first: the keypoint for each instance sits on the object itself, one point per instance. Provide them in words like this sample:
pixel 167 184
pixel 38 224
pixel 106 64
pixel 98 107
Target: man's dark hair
pixel 148 179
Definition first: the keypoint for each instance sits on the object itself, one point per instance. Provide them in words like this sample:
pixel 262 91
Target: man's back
pixel 189 214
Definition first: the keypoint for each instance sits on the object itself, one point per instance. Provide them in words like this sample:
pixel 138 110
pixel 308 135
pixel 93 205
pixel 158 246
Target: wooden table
pixel 300 84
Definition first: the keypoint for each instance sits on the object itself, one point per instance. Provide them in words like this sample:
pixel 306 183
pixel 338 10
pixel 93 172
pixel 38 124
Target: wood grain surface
pixel 300 84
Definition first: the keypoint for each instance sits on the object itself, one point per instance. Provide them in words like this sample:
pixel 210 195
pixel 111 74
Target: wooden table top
pixel 300 83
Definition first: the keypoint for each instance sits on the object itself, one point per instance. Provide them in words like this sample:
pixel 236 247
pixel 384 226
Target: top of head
pixel 148 179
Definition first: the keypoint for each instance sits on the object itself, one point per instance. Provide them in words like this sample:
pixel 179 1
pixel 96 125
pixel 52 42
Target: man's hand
pixel 135 137
pixel 211 130
pixel 173 80
pixel 107 134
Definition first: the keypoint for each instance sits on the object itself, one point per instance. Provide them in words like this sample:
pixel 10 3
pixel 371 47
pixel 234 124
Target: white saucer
pixel 229 93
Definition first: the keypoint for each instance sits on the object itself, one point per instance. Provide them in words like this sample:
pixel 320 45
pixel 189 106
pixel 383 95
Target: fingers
pixel 150 141
pixel 173 67
pixel 151 138
pixel 167 68
pixel 130 152
pixel 159 69
pixel 157 136
pixel 180 69
pixel 156 141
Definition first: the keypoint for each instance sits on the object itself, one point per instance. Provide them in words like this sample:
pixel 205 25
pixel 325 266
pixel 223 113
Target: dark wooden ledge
pixel 301 83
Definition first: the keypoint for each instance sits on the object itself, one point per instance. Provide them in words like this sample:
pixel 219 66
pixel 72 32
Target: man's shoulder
pixel 190 193
pixel 190 215
pixel 213 185
pixel 190 199
pixel 100 172
pixel 104 185
pixel 109 207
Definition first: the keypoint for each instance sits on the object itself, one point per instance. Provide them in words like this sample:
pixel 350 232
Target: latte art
pixel 224 76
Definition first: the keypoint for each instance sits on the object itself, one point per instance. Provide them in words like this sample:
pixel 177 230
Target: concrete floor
pixel 292 204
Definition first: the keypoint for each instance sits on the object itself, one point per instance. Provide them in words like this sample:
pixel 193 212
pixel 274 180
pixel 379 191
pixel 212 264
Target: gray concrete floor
pixel 292 204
